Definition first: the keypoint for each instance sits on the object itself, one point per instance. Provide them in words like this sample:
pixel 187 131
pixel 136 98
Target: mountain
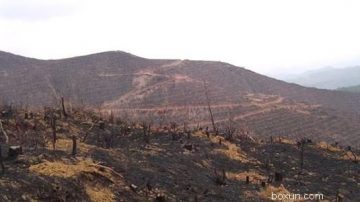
pixel 355 89
pixel 119 78
pixel 174 90
pixel 327 78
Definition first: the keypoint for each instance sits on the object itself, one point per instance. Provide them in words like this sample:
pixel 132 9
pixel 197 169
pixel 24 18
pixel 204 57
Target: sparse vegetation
pixel 167 169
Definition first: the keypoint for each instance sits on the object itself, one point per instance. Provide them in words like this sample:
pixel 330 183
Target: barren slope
pixel 121 82
pixel 180 169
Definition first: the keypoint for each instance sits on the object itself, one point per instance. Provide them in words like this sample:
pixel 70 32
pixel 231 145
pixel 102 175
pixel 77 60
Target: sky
pixel 267 36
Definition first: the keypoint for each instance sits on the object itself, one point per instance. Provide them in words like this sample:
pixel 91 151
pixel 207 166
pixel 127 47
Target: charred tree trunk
pixel 173 131
pixel 207 132
pixel 278 177
pixel 1 162
pixel 4 132
pixel 53 127
pixel 209 106
pixel 146 131
pixel 111 118
pixel 87 132
pixel 74 146
pixel 301 146
pixel 220 179
pixel 302 157
pixel 263 184
pixel 63 107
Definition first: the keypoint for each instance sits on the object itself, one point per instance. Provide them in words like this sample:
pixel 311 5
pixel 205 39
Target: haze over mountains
pixel 121 82
pixel 327 78
pixel 355 89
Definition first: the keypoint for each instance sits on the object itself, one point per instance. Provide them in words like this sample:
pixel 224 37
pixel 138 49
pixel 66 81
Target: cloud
pixel 33 10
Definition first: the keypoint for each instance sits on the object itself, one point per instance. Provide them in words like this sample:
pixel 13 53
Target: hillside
pixel 121 83
pixel 327 78
pixel 115 160
pixel 114 76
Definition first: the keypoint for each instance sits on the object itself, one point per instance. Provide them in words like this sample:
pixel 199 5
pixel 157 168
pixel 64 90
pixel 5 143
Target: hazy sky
pixel 267 36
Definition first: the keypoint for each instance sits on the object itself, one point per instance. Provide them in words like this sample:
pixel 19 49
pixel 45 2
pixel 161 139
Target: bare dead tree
pixel 53 128
pixel 173 128
pixel 46 114
pixel 302 148
pixel 4 132
pixel 207 132
pixel 40 138
pixel 209 105
pixel 230 129
pixel 124 125
pixel 278 177
pixel 63 108
pixel 108 136
pixel 74 145
pixel 187 132
pixel 8 112
pixel 1 162
pixel 102 124
pixel 186 121
pixel 87 132
pixel 111 117
pixel 146 127
pixel 301 145
pixel 162 117
pixel 220 179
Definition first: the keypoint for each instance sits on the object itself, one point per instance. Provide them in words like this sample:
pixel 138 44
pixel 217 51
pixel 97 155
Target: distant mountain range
pixel 355 89
pixel 327 78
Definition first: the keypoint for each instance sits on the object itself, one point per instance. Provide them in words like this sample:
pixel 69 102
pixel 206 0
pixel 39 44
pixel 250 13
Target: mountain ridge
pixel 115 62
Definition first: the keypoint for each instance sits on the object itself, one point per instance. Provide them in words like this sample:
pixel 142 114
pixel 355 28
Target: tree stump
pixel 74 145
pixel 263 184
pixel 278 177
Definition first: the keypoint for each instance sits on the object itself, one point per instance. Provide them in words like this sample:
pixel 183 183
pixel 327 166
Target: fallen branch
pixel 107 168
